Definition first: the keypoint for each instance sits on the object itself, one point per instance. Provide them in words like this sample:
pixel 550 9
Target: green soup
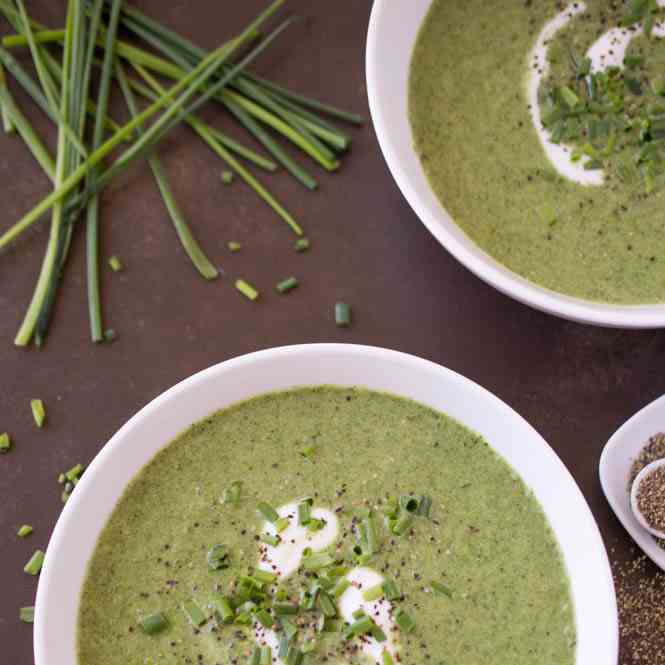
pixel 501 593
pixel 480 150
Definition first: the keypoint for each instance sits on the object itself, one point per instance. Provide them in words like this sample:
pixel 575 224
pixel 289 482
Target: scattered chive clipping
pixel 5 443
pixel 268 512
pixel 373 593
pixel 27 614
pixel 115 264
pixel 404 621
pixel 194 613
pixel 234 246
pixel 24 531
pixel 247 289
pixel 233 492
pixel 153 624
pixel 342 315
pixel 224 610
pixel 287 285
pixel 218 557
pixel 34 565
pixel 271 540
pixel 227 177
pixel 301 245
pixel 441 589
pixel 281 524
pixel 38 412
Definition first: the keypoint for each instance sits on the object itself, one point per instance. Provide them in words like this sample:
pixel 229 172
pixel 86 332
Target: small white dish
pixel 615 464
pixel 86 513
pixel 393 30
pixel 639 516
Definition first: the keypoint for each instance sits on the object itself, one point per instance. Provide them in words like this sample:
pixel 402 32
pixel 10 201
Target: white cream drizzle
pixel 609 50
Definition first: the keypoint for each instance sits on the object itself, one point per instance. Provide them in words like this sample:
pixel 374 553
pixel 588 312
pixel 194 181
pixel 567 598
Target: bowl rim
pixel 410 373
pixel 481 264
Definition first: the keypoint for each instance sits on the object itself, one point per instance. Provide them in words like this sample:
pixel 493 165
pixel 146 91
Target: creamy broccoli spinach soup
pixel 326 525
pixel 541 128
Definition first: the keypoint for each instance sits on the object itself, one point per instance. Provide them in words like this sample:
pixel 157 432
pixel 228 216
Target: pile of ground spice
pixel 653 451
pixel 651 498
pixel 640 588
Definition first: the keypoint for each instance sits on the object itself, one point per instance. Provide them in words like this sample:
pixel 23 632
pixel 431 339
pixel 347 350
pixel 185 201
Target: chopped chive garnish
pixel 233 492
pixel 301 245
pixel 371 539
pixel 387 658
pixel 378 634
pixel 283 647
pixel 24 531
pixel 327 605
pixel 266 655
pixel 224 610
pixel 569 97
pixel 38 411
pixel 309 452
pixel 268 512
pixel 357 614
pixel 341 587
pixel 294 656
pixel 287 285
pixel 441 590
pixel 374 593
pixel 317 561
pixel 315 524
pixel 34 566
pixel 360 627
pixel 234 246
pixel 265 576
pixel 5 443
pixel 265 618
pixel 194 613
pixel 115 264
pixel 304 513
pixel 27 614
pixel 255 658
pixel 281 524
pixel 342 315
pixel 271 540
pixel 282 609
pixel 110 335
pixel 247 289
pixel 308 646
pixel 404 621
pixel 391 590
pixel 154 624
pixel 402 524
pixel 74 474
pixel 338 571
pixel 218 557
pixel 227 177
pixel 289 628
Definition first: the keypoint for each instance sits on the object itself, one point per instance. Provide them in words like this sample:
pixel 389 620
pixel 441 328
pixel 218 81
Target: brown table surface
pixel 574 383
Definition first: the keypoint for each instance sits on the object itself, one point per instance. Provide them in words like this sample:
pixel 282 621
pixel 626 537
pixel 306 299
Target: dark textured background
pixel 575 384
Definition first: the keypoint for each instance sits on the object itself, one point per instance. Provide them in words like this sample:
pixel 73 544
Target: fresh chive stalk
pixel 154 624
pixel 268 512
pixel 5 443
pixel 24 531
pixel 27 614
pixel 287 285
pixel 38 412
pixel 441 589
pixel 194 613
pixel 247 289
pixel 34 565
pixel 342 315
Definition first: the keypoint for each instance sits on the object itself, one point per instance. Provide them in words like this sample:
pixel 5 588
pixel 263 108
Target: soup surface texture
pixel 479 145
pixel 478 571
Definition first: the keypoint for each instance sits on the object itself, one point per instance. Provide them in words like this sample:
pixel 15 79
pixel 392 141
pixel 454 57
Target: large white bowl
pixel 392 35
pixel 85 514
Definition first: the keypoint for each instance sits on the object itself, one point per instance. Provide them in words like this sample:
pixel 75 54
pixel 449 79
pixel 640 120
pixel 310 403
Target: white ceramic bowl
pixel 154 426
pixel 392 34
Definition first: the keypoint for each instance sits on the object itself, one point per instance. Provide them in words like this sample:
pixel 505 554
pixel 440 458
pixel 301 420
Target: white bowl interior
pixel 615 463
pixel 84 516
pixel 392 35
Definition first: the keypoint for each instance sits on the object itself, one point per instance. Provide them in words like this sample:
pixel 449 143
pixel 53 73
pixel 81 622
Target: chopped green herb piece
pixel 194 613
pixel 109 335
pixel 301 245
pixel 309 452
pixel 404 621
pixel 233 493
pixel 308 646
pixel 271 540
pixel 287 285
pixel 327 605
pixel 402 524
pixel 255 658
pixel 265 576
pixel 294 656
pixel 154 624
pixel 38 412
pixel 373 593
pixel 378 634
pixel 268 512
pixel 234 246
pixel 360 627
pixel 304 513
pixel 317 561
pixel 224 610
pixel 391 590
pixel 27 614
pixel 282 609
pixel 34 566
pixel 441 590
pixel 247 289
pixel 341 587
pixel 338 571
pixel 24 531
pixel 357 614
pixel 266 655
pixel 387 658
pixel 371 539
pixel 283 647
pixel 633 61
pixel 115 264
pixel 281 524
pixel 315 524
pixel 342 315
pixel 289 628
pixel 75 473
pixel 227 177
pixel 5 443
pixel 218 557
pixel 265 618
pixel 569 97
